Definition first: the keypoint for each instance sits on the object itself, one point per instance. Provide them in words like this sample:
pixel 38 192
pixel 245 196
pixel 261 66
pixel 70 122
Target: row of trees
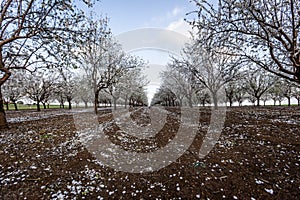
pixel 259 86
pixel 45 87
pixel 240 46
pixel 96 71
pixel 199 75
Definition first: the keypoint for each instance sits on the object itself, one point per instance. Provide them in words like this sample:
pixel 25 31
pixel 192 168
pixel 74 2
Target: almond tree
pixel 165 96
pixel 66 86
pixel 296 94
pixel 265 97
pixel 230 90
pixel 39 87
pixel 276 93
pixel 130 82
pixel 180 82
pixel 286 88
pixel 208 69
pixel 13 89
pixel 58 95
pixel 236 91
pixel 203 97
pixel 83 92
pixel 241 91
pixel 138 98
pixel 258 83
pixel 173 81
pixel 102 59
pixel 262 32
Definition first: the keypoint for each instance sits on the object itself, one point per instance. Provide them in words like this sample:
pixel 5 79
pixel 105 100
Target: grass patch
pixel 29 107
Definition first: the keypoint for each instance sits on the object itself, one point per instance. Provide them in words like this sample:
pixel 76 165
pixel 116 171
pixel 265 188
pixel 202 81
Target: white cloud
pixel 170 15
pixel 180 26
pixel 175 12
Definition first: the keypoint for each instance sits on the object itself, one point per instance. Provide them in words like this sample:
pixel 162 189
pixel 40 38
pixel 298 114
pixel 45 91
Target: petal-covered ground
pixel 42 156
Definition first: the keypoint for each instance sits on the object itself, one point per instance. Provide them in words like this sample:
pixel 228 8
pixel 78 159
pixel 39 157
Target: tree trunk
pixel 274 102
pixel 38 106
pixel 61 105
pixel 3 122
pixel 7 105
pixel 215 100
pixel 180 102
pixel 240 103
pixel 289 101
pixel 298 101
pixel 96 102
pixel 70 104
pixel 85 104
pixel 257 101
pixel 190 102
pixel 15 105
pixel 44 105
pixel 115 103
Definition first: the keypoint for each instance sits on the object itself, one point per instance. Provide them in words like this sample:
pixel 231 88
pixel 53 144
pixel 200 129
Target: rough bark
pixel 70 104
pixel 190 102
pixel 289 101
pixel 69 100
pixel 257 100
pixel 96 102
pixel 38 106
pixel 5 77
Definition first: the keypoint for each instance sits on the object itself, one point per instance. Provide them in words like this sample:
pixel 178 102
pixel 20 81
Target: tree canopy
pixel 259 31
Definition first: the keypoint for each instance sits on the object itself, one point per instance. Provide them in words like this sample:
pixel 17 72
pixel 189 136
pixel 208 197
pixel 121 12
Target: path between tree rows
pixel 257 156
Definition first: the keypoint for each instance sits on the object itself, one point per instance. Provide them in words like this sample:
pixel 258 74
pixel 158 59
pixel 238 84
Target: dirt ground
pixel 257 157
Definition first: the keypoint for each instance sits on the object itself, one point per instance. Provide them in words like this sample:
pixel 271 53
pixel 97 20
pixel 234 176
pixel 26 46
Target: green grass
pixel 29 107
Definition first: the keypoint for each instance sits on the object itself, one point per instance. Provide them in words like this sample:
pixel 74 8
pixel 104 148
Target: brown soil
pixel 257 156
